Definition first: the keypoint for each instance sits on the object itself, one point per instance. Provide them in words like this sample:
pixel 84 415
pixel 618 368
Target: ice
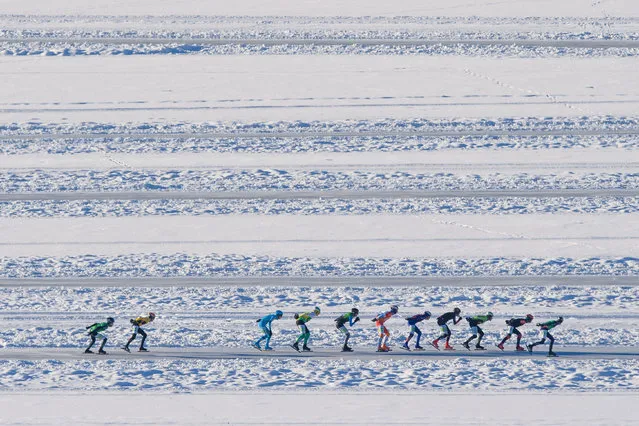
pixel 215 161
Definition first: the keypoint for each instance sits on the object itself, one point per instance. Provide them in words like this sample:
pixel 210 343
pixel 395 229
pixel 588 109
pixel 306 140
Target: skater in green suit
pixel 95 332
pixel 473 323
pixel 349 318
pixel 545 333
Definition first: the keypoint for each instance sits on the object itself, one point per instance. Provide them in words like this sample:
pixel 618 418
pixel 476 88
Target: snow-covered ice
pixel 215 161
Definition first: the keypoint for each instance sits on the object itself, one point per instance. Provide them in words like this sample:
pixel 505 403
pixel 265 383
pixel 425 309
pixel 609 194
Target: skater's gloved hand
pixel 374 319
pixel 355 320
pixel 507 321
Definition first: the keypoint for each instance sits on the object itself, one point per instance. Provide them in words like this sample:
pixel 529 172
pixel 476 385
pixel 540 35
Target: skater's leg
pixel 445 332
pixel 480 332
pixel 473 330
pixel 385 334
pixel 307 335
pixel 518 333
pixel 131 339
pixel 504 339
pixel 303 331
pixel 143 334
pixel 419 336
pixel 264 336
pixel 103 343
pixel 92 341
pixel 380 334
pixel 268 336
pixel 410 335
pixel 552 341
pixel 448 334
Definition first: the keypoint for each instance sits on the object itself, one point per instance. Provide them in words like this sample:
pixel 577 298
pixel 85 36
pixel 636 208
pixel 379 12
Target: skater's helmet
pixel 457 311
pixel 110 321
pixel 317 310
pixel 394 309
pixel 490 315
pixel 355 311
pixel 529 318
pixel 427 314
pixel 279 314
pixel 151 316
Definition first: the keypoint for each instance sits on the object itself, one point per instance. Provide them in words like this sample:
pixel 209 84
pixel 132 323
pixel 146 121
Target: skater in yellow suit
pixel 137 329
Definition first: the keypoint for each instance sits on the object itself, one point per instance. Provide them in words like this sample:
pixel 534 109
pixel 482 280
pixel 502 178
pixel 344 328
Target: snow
pixel 355 408
pixel 207 88
pixel 212 162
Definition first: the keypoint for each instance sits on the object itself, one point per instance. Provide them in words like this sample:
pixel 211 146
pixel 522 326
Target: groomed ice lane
pixel 367 353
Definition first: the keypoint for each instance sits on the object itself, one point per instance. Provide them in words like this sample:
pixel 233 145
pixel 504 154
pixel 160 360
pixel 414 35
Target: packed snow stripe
pixel 149 265
pixel 249 302
pixel 476 205
pixel 187 142
pixel 272 128
pixel 240 47
pixel 180 265
pixel 317 136
pixel 308 33
pixel 192 376
pixel 301 180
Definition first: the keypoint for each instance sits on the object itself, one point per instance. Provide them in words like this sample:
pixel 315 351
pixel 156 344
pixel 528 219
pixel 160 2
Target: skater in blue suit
pixel 412 322
pixel 265 324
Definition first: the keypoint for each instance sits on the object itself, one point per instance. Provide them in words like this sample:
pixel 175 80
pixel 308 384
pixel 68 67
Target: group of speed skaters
pixel 348 319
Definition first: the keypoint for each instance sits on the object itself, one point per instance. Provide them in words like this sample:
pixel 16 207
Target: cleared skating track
pixel 364 354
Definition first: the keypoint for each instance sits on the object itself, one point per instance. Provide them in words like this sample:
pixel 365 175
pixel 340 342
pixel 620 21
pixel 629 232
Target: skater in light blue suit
pixel 265 324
